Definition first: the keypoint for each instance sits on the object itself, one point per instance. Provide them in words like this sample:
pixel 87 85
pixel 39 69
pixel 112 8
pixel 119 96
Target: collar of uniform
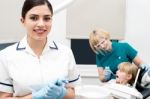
pixel 52 45
pixel 23 45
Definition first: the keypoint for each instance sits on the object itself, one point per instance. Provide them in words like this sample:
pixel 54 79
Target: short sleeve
pixel 98 60
pixel 73 75
pixel 5 80
pixel 130 51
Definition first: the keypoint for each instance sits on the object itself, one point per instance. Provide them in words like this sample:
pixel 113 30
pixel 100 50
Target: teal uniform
pixel 121 52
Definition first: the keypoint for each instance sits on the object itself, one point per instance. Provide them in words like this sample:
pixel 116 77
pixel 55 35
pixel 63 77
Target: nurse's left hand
pixel 58 89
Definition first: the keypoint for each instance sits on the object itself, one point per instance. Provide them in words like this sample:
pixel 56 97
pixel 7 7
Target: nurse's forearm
pixel 23 97
pixel 9 96
pixel 70 94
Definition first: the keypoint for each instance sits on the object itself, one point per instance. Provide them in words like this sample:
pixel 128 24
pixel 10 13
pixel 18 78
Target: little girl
pixel 126 73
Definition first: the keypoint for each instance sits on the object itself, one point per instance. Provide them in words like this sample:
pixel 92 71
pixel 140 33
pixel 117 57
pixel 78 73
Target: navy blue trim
pixel 70 81
pixel 55 46
pixel 6 84
pixel 17 48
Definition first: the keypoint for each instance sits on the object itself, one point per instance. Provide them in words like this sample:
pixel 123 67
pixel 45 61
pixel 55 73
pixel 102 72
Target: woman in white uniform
pixel 36 67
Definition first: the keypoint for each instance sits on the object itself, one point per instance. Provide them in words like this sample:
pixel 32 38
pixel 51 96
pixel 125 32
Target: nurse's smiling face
pixel 38 22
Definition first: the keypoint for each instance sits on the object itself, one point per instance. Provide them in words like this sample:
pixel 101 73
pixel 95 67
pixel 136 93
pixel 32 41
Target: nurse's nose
pixel 40 23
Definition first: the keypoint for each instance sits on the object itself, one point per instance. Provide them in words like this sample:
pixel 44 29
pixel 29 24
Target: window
pixel 82 51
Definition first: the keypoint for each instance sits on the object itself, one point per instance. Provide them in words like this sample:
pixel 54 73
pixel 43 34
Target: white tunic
pixel 21 71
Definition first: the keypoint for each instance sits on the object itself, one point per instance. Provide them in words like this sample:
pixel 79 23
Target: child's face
pixel 122 77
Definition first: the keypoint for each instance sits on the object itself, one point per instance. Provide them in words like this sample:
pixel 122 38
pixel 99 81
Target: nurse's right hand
pixel 107 74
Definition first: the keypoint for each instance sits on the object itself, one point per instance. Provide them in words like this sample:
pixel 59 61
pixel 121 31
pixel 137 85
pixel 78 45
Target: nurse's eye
pixel 34 18
pixel 47 19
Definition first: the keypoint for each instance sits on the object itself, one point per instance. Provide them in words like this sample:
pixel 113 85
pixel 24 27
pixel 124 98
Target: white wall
pixel 138 26
pixel 58 31
pixel 11 29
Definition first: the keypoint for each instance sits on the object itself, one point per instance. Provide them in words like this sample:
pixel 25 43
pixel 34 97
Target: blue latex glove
pixel 145 66
pixel 148 72
pixel 54 90
pixel 107 73
pixel 60 88
pixel 44 93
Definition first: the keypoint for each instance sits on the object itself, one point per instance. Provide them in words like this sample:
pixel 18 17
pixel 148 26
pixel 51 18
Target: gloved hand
pixel 107 73
pixel 148 72
pixel 60 88
pixel 146 68
pixel 44 93
pixel 54 90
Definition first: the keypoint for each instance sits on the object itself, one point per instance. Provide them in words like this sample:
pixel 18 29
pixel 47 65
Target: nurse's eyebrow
pixel 38 15
pixel 33 15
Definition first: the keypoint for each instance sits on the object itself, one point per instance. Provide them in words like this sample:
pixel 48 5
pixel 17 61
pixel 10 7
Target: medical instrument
pixel 71 81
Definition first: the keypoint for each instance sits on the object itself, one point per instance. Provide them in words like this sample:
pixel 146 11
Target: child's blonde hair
pixel 129 68
pixel 95 37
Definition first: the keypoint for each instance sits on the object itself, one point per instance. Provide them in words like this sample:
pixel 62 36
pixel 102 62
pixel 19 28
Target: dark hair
pixel 28 4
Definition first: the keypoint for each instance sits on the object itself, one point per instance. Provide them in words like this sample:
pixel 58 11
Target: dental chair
pixel 141 85
pixel 120 91
pixel 139 90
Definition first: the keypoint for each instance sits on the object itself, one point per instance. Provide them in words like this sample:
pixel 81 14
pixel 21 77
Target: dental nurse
pixel 37 67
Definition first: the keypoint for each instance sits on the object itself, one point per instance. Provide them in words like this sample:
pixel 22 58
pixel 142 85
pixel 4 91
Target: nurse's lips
pixel 39 30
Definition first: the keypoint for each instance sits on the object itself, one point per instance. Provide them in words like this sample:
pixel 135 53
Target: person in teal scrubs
pixel 110 54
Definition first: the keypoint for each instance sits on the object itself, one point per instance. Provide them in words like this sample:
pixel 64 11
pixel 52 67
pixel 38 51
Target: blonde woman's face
pixel 103 44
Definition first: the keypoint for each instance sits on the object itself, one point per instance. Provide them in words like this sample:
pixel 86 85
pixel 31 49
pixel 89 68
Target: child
pixel 126 73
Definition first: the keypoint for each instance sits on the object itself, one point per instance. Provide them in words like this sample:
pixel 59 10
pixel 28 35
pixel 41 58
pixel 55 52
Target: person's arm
pixel 101 74
pixel 70 94
pixel 133 55
pixel 4 95
pixel 137 61
pixel 141 64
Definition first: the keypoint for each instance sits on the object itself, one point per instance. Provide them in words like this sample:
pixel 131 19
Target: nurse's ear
pixel 22 21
